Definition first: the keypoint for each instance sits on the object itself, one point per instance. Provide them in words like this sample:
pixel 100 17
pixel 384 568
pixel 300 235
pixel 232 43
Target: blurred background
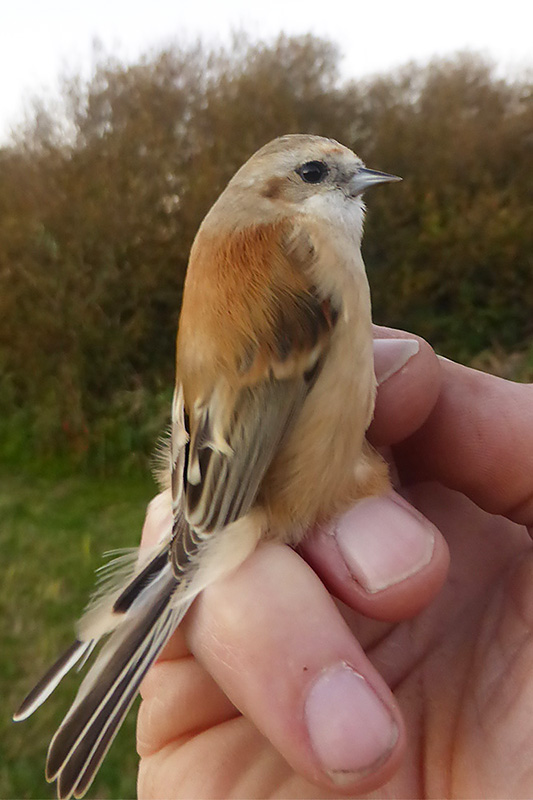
pixel 119 126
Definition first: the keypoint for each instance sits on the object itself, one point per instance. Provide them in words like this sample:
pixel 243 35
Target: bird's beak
pixel 364 178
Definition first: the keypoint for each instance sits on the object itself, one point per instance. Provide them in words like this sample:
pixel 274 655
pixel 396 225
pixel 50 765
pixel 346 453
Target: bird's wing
pixel 265 344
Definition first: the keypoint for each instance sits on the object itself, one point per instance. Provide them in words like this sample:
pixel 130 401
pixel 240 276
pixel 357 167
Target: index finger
pixel 478 439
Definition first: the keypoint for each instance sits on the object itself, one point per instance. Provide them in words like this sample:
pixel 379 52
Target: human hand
pixel 271 637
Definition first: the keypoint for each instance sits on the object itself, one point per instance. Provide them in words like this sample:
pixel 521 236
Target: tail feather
pixel 86 656
pixel 124 578
pixel 51 679
pixel 140 600
pixel 143 603
pixel 116 668
pixel 135 587
pixel 77 765
pixel 109 729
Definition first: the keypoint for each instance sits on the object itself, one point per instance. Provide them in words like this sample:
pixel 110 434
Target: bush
pixel 99 205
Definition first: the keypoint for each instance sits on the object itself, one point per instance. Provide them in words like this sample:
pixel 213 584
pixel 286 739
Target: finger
pixel 409 377
pixel 272 638
pixel 171 708
pixel 478 439
pixel 383 558
pixel 158 520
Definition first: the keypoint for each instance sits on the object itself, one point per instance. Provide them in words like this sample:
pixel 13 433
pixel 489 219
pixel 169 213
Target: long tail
pixel 140 614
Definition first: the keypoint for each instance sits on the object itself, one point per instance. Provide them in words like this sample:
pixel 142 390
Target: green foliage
pixel 99 204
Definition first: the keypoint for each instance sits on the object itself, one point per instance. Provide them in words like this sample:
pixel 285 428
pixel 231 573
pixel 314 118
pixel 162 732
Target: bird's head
pixel 297 175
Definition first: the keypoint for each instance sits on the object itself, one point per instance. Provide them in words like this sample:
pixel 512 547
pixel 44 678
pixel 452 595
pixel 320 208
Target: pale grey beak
pixel 364 178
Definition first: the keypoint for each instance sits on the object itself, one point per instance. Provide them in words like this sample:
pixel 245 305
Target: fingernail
pixel 384 540
pixel 351 731
pixel 390 355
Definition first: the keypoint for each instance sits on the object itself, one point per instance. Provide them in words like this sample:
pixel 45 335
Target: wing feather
pixel 230 417
pixel 229 484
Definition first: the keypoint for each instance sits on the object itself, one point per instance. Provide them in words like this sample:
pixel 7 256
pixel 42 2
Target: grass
pixel 53 532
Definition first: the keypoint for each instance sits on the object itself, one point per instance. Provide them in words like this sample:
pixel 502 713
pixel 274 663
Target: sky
pixel 40 38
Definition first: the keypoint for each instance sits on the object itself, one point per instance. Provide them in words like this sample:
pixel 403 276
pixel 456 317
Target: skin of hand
pixel 272 688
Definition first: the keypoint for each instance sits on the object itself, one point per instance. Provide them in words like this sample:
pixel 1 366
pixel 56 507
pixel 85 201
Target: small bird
pixel 275 390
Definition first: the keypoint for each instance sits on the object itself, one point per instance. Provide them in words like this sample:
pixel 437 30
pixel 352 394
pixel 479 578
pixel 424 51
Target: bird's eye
pixel 312 171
